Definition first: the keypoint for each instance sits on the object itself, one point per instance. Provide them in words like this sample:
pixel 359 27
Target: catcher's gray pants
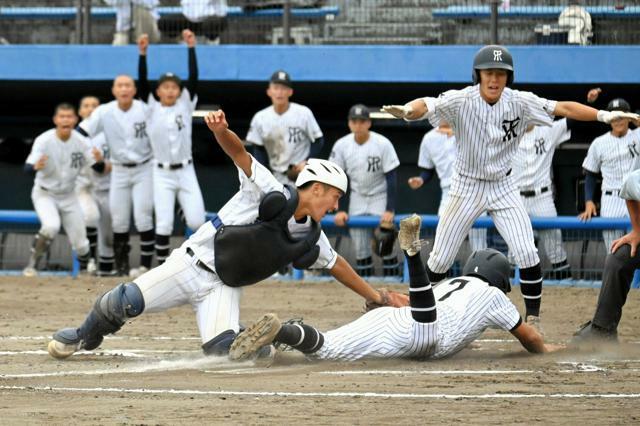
pixel 619 268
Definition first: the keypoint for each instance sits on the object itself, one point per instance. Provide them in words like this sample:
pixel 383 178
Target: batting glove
pixel 609 116
pixel 398 111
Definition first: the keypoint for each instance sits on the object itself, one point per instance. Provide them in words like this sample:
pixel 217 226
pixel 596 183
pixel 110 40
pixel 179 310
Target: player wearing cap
pixel 614 154
pixel 489 120
pixel 232 250
pixel 174 176
pixel 285 134
pixel 371 163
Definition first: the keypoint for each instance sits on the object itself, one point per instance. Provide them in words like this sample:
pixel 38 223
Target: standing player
pixel 232 250
pixel 285 134
pixel 170 112
pixel 371 163
pixel 489 120
pixel 438 153
pixel 124 123
pixel 615 155
pixel 56 158
pixel 440 322
pixel 532 176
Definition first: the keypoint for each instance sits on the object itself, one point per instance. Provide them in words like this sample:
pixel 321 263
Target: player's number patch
pixel 461 284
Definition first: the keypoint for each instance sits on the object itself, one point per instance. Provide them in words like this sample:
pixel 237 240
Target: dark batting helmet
pixel 490 265
pixel 491 57
pixel 619 104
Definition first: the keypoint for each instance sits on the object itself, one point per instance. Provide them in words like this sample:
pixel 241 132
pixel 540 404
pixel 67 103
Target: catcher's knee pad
pixel 110 312
pixel 220 344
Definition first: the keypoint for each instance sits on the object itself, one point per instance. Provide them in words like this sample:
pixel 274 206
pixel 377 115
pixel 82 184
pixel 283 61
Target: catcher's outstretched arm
pixel 344 273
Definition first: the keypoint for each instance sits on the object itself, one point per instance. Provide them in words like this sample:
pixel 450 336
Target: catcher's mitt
pixel 389 298
pixel 384 238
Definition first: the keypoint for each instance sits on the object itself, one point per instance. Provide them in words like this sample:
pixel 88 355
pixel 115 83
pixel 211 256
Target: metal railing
pixel 400 22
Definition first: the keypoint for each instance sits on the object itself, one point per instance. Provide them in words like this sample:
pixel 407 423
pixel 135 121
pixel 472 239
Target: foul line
pixel 408 372
pixel 322 394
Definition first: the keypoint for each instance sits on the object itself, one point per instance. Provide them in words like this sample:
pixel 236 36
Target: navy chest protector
pixel 246 254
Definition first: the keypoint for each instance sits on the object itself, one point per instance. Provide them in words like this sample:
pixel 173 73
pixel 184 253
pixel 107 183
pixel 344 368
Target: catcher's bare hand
pixel 189 37
pixel 589 211
pixel 41 163
pixel 387 298
pixel 415 182
pixel 341 218
pixel 143 44
pixel 216 121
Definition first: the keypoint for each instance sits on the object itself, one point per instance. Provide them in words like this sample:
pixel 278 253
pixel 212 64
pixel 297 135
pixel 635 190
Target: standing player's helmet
pixel 619 104
pixel 490 265
pixel 491 57
pixel 325 171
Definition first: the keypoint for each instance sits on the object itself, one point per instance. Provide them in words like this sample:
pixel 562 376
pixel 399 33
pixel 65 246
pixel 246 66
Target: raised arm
pixel 143 82
pixel 192 84
pixel 228 140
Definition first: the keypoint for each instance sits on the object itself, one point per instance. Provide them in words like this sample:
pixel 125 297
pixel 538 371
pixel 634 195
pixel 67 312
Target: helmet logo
pixel 282 75
pixel 616 103
pixel 475 269
pixel 497 55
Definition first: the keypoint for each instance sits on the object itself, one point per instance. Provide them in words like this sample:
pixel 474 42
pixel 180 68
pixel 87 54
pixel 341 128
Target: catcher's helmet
pixel 619 104
pixel 490 265
pixel 325 171
pixel 491 57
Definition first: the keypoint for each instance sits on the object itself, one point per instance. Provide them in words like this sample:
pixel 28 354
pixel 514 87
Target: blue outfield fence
pixel 582 242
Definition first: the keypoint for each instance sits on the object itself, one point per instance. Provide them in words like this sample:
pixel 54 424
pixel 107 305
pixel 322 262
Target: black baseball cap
pixel 281 77
pixel 359 112
pixel 619 104
pixel 169 76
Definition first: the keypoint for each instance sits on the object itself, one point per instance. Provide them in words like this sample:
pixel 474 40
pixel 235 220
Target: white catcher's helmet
pixel 324 171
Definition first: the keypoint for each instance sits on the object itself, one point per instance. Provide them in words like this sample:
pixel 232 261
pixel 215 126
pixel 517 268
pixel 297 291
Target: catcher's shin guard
pixel 220 344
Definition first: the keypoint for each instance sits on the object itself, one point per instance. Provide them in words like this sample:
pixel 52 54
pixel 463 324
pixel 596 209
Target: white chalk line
pixel 322 394
pixel 126 353
pixel 421 372
pixel 106 338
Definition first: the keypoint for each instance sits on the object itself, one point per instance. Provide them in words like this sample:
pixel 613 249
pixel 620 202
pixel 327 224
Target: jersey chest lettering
pixel 509 128
pixel 539 146
pixel 374 163
pixel 77 160
pixel 633 149
pixel 296 135
pixel 140 130
pixel 179 122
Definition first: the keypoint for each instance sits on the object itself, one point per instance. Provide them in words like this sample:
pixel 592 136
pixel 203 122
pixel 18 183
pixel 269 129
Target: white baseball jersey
pixel 286 137
pixel 488 135
pixel 242 209
pixel 438 151
pixel 367 163
pixel 170 128
pixel 466 307
pixel 631 186
pixel 532 163
pixel 125 131
pixel 65 160
pixel 614 157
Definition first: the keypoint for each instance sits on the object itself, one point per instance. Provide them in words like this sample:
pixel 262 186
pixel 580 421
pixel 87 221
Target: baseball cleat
pixel 65 343
pixel 260 334
pixel 29 272
pixel 409 235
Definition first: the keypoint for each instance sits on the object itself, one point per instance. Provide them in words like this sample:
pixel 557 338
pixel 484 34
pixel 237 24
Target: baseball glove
pixel 389 298
pixel 384 238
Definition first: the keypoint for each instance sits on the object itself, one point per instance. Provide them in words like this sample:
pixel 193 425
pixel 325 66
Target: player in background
pixel 124 123
pixel 56 158
pixel 170 120
pixel 285 134
pixel 482 180
pixel 371 163
pixel 439 322
pixel 438 154
pixel 615 155
pixel 231 251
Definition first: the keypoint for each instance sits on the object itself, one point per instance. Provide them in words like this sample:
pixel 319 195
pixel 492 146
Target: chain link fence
pixel 399 22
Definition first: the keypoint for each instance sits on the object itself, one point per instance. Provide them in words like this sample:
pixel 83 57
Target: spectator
pixel 206 17
pixel 141 16
pixel 578 21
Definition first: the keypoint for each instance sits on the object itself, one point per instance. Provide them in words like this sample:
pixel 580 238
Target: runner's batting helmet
pixel 490 265
pixel 491 57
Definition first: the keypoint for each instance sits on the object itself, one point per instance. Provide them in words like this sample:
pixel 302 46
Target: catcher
pixel 370 161
pixel 266 222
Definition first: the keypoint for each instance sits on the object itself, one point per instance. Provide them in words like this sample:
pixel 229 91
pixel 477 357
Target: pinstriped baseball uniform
pixel 286 137
pixel 487 137
pixel 614 157
pixel 53 194
pixel 466 307
pixel 174 174
pixel 365 164
pixel 179 281
pixel 126 134
pixel 438 151
pixel 532 174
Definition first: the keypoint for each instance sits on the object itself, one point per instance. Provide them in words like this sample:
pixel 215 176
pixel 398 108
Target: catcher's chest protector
pixel 246 254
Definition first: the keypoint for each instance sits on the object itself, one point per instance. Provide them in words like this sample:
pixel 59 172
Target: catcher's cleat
pixel 534 321
pixel 65 343
pixel 409 236
pixel 260 334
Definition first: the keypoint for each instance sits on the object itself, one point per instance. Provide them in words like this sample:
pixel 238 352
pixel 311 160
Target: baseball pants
pixel 477 236
pixel 183 184
pixel 105 233
pixel 179 281
pixel 542 205
pixel 89 206
pixel 612 206
pixel 55 210
pixel 468 199
pixel 131 186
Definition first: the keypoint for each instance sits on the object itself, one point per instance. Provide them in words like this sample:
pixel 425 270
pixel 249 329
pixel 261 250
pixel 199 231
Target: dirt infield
pixel 152 372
